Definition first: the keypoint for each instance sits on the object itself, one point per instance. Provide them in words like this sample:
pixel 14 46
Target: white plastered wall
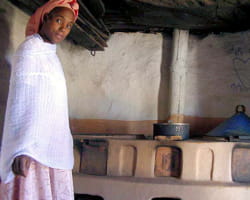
pixel 218 74
pixel 120 83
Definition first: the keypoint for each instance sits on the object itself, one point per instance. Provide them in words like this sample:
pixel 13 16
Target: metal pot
pixel 237 125
pixel 172 129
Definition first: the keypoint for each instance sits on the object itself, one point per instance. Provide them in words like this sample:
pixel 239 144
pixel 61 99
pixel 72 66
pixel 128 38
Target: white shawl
pixel 36 120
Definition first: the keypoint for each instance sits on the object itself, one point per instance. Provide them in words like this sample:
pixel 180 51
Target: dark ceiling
pixel 98 19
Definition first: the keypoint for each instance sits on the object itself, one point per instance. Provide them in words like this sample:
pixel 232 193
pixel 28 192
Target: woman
pixel 37 150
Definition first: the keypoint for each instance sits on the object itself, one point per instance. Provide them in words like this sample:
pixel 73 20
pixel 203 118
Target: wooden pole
pixel 178 75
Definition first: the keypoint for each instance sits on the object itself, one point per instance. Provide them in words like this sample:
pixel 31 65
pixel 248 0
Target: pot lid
pixel 237 125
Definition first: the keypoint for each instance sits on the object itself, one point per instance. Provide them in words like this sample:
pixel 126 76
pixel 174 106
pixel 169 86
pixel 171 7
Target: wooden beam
pixel 85 12
pixel 96 7
pixel 81 38
pixel 191 3
pixel 96 30
pixel 91 37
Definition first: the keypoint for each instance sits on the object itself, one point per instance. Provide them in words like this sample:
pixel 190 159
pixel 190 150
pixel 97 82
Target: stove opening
pixel 87 197
pixel 165 198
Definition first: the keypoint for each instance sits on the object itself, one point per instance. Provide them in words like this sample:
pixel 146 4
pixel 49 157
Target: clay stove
pixel 146 169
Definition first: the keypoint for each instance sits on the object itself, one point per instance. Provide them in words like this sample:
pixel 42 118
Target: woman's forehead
pixel 63 12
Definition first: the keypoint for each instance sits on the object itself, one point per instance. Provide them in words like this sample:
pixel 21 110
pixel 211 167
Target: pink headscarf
pixel 37 18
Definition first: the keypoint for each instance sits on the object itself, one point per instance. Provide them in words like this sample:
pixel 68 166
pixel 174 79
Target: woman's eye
pixel 59 21
pixel 69 26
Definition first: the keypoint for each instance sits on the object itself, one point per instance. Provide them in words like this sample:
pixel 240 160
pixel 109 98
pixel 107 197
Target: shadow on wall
pixel 211 95
pixel 163 104
pixel 4 64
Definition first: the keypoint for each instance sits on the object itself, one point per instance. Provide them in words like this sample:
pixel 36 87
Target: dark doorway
pixel 165 198
pixel 87 197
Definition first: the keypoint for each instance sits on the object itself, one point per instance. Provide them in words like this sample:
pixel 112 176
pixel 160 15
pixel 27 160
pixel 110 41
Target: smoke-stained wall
pixel 218 74
pixel 5 48
pixel 218 79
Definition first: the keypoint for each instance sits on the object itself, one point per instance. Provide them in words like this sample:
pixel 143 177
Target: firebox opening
pixel 87 197
pixel 165 198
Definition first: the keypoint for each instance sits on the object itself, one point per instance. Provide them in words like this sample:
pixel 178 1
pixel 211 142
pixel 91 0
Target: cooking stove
pixel 123 168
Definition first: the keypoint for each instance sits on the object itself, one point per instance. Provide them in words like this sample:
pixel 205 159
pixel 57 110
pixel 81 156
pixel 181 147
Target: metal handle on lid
pixel 240 109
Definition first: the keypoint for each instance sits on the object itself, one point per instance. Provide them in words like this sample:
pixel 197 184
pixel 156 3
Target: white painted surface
pixel 120 83
pixel 205 174
pixel 218 76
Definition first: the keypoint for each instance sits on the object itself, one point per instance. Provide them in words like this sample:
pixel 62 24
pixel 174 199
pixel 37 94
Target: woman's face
pixel 57 25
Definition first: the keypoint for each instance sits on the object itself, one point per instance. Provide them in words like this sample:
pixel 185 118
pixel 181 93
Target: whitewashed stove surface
pixel 125 169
